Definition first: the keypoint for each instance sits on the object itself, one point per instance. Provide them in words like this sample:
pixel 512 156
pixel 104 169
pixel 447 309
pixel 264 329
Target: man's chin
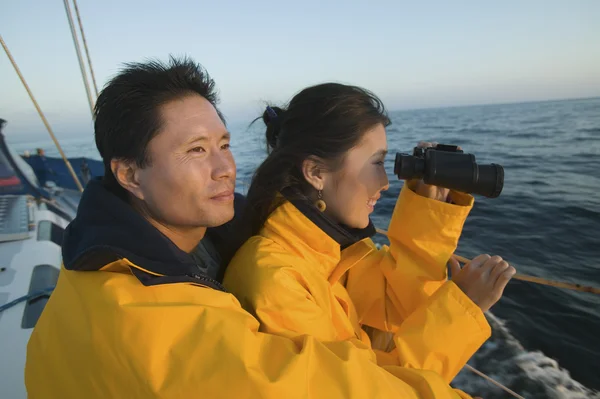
pixel 219 217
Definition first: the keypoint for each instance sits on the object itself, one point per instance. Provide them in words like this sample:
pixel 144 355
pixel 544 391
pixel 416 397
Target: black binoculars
pixel 447 166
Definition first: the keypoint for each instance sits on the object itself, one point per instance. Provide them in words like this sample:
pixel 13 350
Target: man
pixel 86 174
pixel 137 311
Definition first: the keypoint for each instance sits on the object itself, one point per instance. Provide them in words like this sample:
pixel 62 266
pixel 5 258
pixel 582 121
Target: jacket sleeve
pixel 184 341
pixel 405 289
pixel 229 358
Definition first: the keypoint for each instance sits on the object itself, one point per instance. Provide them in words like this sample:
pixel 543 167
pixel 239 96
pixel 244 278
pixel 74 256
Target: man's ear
pixel 126 174
pixel 314 173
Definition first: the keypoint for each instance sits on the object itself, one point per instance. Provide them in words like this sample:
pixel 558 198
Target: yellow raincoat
pixel 130 318
pixel 295 280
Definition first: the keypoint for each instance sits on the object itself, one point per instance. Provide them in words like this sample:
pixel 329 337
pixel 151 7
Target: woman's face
pixel 352 191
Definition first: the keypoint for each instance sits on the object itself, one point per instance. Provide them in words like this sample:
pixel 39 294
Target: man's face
pixel 190 179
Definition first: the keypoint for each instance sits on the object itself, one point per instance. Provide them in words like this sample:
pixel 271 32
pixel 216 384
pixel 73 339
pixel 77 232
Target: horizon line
pixel 399 110
pixel 552 100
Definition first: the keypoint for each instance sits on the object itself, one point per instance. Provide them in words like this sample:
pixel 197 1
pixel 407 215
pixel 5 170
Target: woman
pixel 309 265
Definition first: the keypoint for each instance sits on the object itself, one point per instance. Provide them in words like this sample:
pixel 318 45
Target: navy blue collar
pixel 107 228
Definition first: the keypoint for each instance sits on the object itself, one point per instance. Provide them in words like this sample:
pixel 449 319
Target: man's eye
pixel 226 146
pixel 197 149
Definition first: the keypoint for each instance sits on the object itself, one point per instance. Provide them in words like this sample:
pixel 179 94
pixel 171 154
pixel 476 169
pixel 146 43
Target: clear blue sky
pixel 417 54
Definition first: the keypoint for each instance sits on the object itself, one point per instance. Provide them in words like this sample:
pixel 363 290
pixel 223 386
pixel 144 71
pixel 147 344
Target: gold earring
pixel 320 204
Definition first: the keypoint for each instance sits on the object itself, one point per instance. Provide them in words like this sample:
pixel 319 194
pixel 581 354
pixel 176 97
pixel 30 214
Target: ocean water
pixel 546 222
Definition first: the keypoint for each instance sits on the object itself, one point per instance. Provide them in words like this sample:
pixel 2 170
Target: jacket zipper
pixel 209 280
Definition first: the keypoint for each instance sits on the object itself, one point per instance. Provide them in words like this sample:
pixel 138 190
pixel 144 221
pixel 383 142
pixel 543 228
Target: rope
pixel 33 295
pixel 496 383
pixel 79 57
pixel 39 110
pixel 87 52
pixel 532 279
pixel 543 281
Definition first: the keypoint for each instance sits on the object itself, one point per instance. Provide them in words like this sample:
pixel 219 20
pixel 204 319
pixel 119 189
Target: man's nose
pixel 223 165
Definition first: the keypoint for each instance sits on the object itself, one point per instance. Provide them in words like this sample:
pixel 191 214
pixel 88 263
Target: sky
pixel 412 54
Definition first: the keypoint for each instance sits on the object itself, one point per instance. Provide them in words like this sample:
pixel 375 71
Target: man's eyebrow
pixel 196 139
pixel 201 138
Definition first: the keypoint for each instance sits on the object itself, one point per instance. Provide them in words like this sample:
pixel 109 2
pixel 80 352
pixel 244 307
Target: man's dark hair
pixel 127 113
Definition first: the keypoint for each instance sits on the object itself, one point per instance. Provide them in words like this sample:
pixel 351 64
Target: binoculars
pixel 447 166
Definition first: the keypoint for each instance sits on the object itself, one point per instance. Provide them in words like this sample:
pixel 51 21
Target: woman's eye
pixel 379 163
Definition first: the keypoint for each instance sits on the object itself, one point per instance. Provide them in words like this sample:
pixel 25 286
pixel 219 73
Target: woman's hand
pixel 483 279
pixel 425 190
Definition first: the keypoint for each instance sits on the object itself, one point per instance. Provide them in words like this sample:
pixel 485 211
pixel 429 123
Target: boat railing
pixel 531 279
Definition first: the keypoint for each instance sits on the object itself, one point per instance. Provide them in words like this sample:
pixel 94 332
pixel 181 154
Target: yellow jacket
pixel 129 318
pixel 295 280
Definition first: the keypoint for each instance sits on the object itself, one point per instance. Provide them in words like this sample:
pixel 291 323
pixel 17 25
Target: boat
pixel 39 196
pixel 33 218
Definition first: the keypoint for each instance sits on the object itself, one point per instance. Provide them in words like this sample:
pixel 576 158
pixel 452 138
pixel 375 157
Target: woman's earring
pixel 320 204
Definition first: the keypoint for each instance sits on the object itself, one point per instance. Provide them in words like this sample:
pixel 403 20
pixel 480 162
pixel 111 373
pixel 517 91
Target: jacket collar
pixel 107 229
pixel 303 229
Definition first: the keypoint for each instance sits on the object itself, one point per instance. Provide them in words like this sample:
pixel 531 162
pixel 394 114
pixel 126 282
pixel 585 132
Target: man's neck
pixel 186 239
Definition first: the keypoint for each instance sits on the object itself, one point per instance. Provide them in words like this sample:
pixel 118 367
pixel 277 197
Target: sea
pixel 546 222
